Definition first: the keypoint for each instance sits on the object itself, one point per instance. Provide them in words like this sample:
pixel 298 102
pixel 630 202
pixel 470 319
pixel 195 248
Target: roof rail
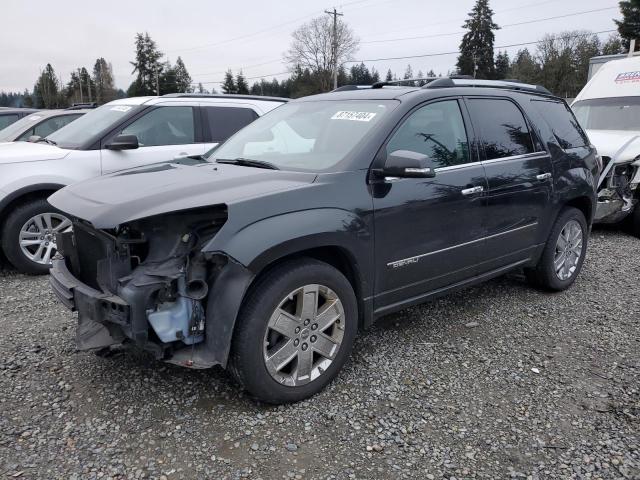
pixel 456 81
pixel 404 80
pixel 236 96
pixel 81 106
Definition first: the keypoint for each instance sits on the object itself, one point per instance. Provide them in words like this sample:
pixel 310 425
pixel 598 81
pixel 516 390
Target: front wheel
pixel 29 236
pixel 563 254
pixel 294 332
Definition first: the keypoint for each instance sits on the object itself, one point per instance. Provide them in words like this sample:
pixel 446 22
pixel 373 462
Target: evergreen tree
pixel 502 65
pixel 103 80
pixel 525 68
pixel 46 91
pixel 182 77
pixel 229 84
pixel 242 87
pixel 375 76
pixel 476 49
pixel 389 76
pixel 167 79
pixel 201 89
pixel 421 83
pixel 629 26
pixel 147 65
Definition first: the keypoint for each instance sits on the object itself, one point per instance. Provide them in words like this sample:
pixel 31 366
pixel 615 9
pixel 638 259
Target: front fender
pixel 265 241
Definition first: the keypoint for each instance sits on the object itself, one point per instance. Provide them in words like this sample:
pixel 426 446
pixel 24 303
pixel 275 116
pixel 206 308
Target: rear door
pixel 520 181
pixel 428 230
pixel 165 132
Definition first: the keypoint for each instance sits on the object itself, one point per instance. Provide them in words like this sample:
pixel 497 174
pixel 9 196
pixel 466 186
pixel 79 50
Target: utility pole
pixel 334 43
pixel 157 82
pixel 80 83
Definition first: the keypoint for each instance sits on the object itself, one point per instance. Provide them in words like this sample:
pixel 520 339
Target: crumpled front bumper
pixel 99 313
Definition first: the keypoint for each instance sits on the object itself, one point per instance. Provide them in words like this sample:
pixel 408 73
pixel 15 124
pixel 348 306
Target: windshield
pixel 81 131
pixel 622 113
pixel 9 133
pixel 311 136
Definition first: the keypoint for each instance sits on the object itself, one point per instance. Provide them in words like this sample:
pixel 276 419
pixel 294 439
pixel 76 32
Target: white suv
pixel 121 134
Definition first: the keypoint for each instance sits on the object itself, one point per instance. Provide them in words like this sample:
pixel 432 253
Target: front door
pixel 164 134
pixel 519 172
pixel 427 231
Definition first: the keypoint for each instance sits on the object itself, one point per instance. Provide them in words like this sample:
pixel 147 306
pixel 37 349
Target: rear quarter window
pixel 225 121
pixel 562 122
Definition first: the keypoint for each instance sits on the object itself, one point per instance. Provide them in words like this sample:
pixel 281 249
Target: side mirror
pixel 34 138
pixel 123 142
pixel 408 164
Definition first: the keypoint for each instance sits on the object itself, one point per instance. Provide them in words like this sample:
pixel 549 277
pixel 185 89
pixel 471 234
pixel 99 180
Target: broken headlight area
pixel 618 191
pixel 144 282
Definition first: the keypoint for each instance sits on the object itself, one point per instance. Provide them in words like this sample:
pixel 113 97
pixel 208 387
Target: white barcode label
pixel 355 116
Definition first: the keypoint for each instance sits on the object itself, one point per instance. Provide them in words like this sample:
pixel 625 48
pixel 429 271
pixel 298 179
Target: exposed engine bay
pixel 617 190
pixel 150 281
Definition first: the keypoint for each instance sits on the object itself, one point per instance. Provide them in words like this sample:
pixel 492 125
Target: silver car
pixel 40 123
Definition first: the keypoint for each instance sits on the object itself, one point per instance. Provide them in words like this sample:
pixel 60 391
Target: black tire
pixel 247 363
pixel 11 235
pixel 543 275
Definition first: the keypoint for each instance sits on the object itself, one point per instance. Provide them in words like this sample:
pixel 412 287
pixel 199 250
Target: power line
pixel 501 26
pixel 258 32
pixel 457 51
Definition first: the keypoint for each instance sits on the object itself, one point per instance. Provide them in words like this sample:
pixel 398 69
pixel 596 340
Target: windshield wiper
pixel 247 162
pixel 44 139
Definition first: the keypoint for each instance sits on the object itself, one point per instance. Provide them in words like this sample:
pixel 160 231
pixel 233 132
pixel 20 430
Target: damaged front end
pixel 145 282
pixel 618 190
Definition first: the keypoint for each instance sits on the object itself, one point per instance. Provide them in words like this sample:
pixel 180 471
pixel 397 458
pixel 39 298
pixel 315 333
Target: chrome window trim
pixel 525 156
pixel 416 258
pixel 456 167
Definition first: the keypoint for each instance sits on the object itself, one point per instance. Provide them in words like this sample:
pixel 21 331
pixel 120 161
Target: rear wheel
pixel 295 331
pixel 28 235
pixel 563 254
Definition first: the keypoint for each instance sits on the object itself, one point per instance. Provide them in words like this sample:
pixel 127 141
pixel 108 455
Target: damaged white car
pixel 608 107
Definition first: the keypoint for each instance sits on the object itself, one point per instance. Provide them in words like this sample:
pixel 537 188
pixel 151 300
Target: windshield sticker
pixel 35 117
pixel 355 116
pixel 121 108
pixel 628 77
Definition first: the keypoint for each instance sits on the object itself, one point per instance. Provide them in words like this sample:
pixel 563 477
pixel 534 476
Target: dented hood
pixel 16 152
pixel 625 144
pixel 168 187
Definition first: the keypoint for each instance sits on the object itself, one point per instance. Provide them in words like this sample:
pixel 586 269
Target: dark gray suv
pixel 267 255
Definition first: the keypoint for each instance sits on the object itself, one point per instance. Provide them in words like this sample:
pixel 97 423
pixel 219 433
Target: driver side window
pixel 436 130
pixel 163 126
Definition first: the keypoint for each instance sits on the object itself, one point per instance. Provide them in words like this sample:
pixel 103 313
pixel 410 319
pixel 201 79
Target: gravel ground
pixel 497 381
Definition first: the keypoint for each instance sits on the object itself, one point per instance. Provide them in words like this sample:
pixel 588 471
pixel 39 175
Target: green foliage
pixel 242 87
pixel 147 65
pixel 47 90
pixel 229 84
pixel 502 65
pixel 629 26
pixel 614 45
pixel 476 48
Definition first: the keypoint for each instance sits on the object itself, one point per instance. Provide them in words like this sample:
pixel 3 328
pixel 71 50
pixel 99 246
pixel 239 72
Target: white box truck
pixel 608 108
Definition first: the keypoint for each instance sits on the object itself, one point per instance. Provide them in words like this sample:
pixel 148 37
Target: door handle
pixel 543 176
pixel 472 190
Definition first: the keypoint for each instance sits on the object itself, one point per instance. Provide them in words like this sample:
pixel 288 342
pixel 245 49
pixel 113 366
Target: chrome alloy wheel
pixel 304 335
pixel 568 250
pixel 38 236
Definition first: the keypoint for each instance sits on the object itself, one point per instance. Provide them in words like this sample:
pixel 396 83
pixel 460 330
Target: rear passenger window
pixel 503 129
pixel 436 130
pixel 562 122
pixel 225 121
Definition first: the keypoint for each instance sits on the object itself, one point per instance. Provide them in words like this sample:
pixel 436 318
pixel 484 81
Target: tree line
pixel 559 62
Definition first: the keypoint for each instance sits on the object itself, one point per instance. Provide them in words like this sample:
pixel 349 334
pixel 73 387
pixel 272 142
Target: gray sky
pixel 250 34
